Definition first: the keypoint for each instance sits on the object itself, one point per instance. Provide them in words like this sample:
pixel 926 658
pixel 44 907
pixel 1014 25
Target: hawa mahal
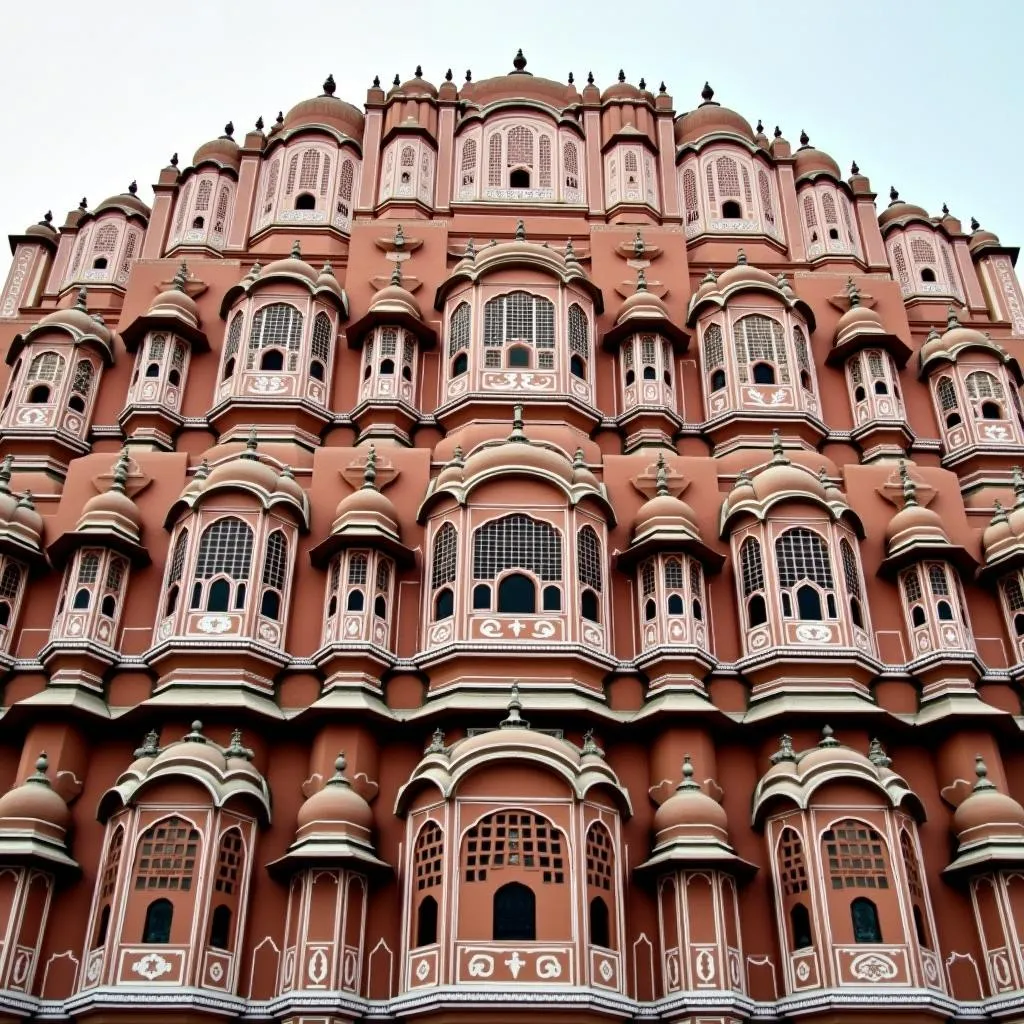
pixel 512 550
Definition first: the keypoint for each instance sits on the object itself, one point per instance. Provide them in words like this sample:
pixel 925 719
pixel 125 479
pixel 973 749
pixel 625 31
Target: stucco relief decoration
pixel 1000 969
pixel 216 973
pixel 548 967
pixel 19 271
pixel 422 970
pixel 803 970
pixel 704 965
pixel 152 966
pixel 22 962
pixel 1011 293
pixel 316 969
pixel 214 624
pixel 481 966
pixel 815 633
pixel 873 967
pixel 606 971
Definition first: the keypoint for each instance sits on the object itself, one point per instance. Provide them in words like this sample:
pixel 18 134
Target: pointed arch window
pixel 274 573
pixel 589 573
pixel 514 913
pixel 523 326
pixel 915 886
pixel 752 575
pixel 805 575
pixel 527 546
pixel 579 341
pixel 571 168
pixel 691 200
pixel 987 395
pixel 81 385
pixel 851 576
pixel 793 878
pixel 949 404
pixel 321 347
pixel 276 332
pixel 224 559
pixel 168 853
pixel 714 358
pixel 803 359
pixel 760 350
pixel 855 857
pixel 156 929
pixel 232 345
pixel 1014 598
pixel 346 187
pixel 442 570
pixel 467 181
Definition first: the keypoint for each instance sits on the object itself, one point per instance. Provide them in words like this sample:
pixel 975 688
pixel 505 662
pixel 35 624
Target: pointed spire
pixel 945 210
pixel 370 470
pixel 47 218
pixel 710 277
pixel 121 472
pixel 448 75
pixel 519 61
pixel 181 277
pixel 827 738
pixel 894 196
pixel 25 501
pixel 570 252
pixel 279 120
pixel 174 160
pixel 707 94
pixel 638 245
pixel 741 257
pixel 329 86
pixel 458 456
pixel 399 240
pixel 661 477
pixel 622 76
pixel 39 776
pixel 133 187
pixel 469 75
pixel 572 78
pixel 909 487
pixel 376 81
pixel 150 745
pixel 877 755
pixel 338 778
pixel 785 751
pixel 778 132
pixel 641 280
pixel 852 293
pixel 418 73
pixel 236 748
pixel 951 318
pixel 514 719
pixel 84 203
pixel 396 275
pixel 259 123
pixel 590 78
pixel 196 735
pixel 470 253
pixel 688 785
pixel 804 138
pixel 662 89
pixel 981 770
pixel 974 224
pixel 518 433
pixel 577 460
pixel 520 230
pixel 590 747
pixel 854 169
pixel 250 445
pixel 397 82
pixel 778 454
pixel 80 300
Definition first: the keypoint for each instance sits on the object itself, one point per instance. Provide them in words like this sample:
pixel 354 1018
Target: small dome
pixel 980 238
pixel 292 266
pixel 899 210
pixel 327 281
pixel 327 109
pixel 128 201
pixel 336 807
pixel 44 229
pixel 26 516
pixel 223 151
pixel 416 86
pixel 394 299
pixel 367 505
pixel 244 470
pixel 857 320
pixel 914 524
pixel 987 813
pixel 690 810
pixel 784 477
pixel 287 484
pixel 810 162
pixel 998 534
pixel 113 504
pixel 711 118
pixel 744 273
pixel 623 90
pixel 176 302
pixel 77 319
pixel 34 802
pixel 664 511
pixel 955 338
pixel 193 747
pixel 643 305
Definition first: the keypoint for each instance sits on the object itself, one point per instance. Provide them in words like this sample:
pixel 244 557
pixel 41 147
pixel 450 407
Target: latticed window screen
pixel 850 572
pixel 828 206
pixel 517 542
pixel 588 558
pixel 856 373
pixel 203 195
pixel 937 580
pixel 10 582
pixel 157 346
pixel 428 856
pixel 764 187
pixel 802 555
pixel 178 558
pixel 673 574
pixel 900 263
pixel 982 384
pixel 106 240
pixel 803 359
pixel 494 160
pixel 912 586
pixel 225 547
pixel 875 365
pixel 571 165
pixel 1014 594
pixel 47 366
pixel 357 570
pixel 167 856
pixel 515 839
pixel 579 332
pixel 855 856
pixel 751 567
pixel 221 215
pixel 274 562
pixel 922 250
pixel 82 382
pixel 346 181
pixel 446 547
pixel 696 579
pixel 792 865
pixel 234 338
pixel 383 574
pixel 321 347
pixel 910 866
pixel 599 858
pixel 88 568
pixel 952 279
pixel 271 190
pixel 520 146
pixel 648 578
pixel 276 326
pixel 521 318
pixel 810 213
pixel 947 394
pixel 711 182
pixel 714 350
pixel 544 163
pixel 115 573
pixel 728 176
pixel 458 329
pixel 109 881
pixel 229 862
pixel 469 162
pixel 759 339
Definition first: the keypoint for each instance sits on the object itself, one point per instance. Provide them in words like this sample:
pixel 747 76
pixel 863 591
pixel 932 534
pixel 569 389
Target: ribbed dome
pixel 34 801
pixel 711 118
pixel 519 84
pixel 77 319
pixel 327 109
pixel 784 477
pixel 642 305
pixel 113 507
pixel 980 238
pixel 367 505
pixel 394 299
pixel 176 302
pixel 857 320
pixel 623 90
pixel 914 524
pixel 664 510
pixel 223 151
pixel 291 266
pixel 245 469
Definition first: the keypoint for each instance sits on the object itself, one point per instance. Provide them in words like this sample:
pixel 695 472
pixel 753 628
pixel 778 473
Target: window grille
pixel 848 218
pixel 516 839
pixel 221 215
pixel 588 559
pixel 673 574
pixel 520 146
pixel 599 858
pixel 89 569
pixel 179 221
pixel 445 556
pixel 981 384
pixel 109 880
pixel 691 201
pixel 270 192
pixel 714 350
pixel 802 555
pixel 517 542
pixel 828 207
pixel 751 566
pixel 696 579
pixel 850 573
pixel 856 374
pixel 647 578
pixel 711 182
pixel 544 162
pixel 728 177
pixel 115 573
pixel 383 574
pixel 130 245
pixel 167 856
pixel 229 862
pixel 760 339
pixel 469 162
pixel 321 347
pixel 178 558
pixel 803 360
pixel 911 866
pixel 346 182
pixel 921 250
pixel 952 279
pixel 875 365
pixel 429 856
pixel 947 394
pixel 48 366
pixel 335 574
pixel 106 240
pixel 157 346
pixel 458 329
pixel 357 570
pixel 494 160
pixel 791 864
pixel 899 261
pixel 10 582
pixel 856 857
pixel 1011 589
pixel 82 382
pixel 203 195
pixel 275 560
pixel 388 342
pixel 234 338
pixel 572 165
pixel 225 547
pixel 521 318
pixel 276 326
pixel 937 581
pixel 912 587
pixel 810 215
pixel 747 196
pixel 764 187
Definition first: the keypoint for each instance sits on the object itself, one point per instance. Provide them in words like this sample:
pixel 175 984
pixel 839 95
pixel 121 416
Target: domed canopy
pixel 783 480
pixel 110 519
pixel 34 823
pixel 222 151
pixel 899 212
pixel 415 87
pixel 1002 542
pixel 957 339
pixel 127 202
pixel 989 828
pixel 244 471
pixel 518 456
pixel 444 767
pixel 393 306
pixel 21 526
pixel 328 111
pixel 173 310
pixel 519 85
pixel 75 321
pixel 986 243
pixel 625 91
pixel 711 118
pixel 293 269
pixel 226 773
pixel 795 777
pixel 335 826
pixel 861 327
pixel 520 254
pixel 667 523
pixel 645 312
pixel 42 232
pixel 364 518
pixel 691 829
pixel 812 163
pixel 915 533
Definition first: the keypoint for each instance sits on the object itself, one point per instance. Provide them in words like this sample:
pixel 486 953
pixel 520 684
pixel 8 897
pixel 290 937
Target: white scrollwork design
pixel 515 963
pixel 152 966
pixel 705 966
pixel 606 971
pixel 548 966
pixel 216 972
pixel 813 634
pixel 422 970
pixel 481 966
pixel 873 967
pixel 316 969
pixel 214 624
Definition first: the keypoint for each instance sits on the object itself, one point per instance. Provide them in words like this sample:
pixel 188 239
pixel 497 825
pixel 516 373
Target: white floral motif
pixel 813 634
pixel 422 970
pixel 606 971
pixel 873 967
pixel 264 385
pixel 548 967
pixel 481 966
pixel 152 966
pixel 515 963
pixel 705 965
pixel 317 967
pixel 216 972
pixel 214 624
pixel 803 971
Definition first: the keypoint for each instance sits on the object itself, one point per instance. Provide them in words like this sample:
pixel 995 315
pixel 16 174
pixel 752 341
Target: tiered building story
pixel 512 548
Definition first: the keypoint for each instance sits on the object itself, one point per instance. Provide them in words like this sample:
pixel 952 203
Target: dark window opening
pixel 460 365
pixel 808 603
pixel 153 370
pixel 833 233
pixel 270 604
pixel 866 927
pixel 172 600
pixel 517 595
pixel 519 356
pixel 515 913
pixel 406 373
pixel 859 394
pixel 757 611
pixel 100 263
pixel 589 607
pixel 600 924
pixel 220 927
pixel 855 613
pixel 109 606
pixel 81 599
pixel 174 378
pixel 953 419
pixel 444 604
pixel 316 370
pixel 332 606
pixel 578 368
pixel 197 595
pixel 426 922
pixel 800 925
pixel 991 411
pixel 917 615
pixel 805 380
pixel 717 380
pixel 305 201
pixel 945 610
pixel 787 604
pixel 77 403
pixel 763 373
pixel 922 935
pixel 551 599
pixel 630 378
pixel 240 597
pixel 356 601
pixel 698 611
pixel 387 367
pixel 731 210
pixel 229 369
pixel 1018 624
pixel 380 606
pixel 5 613
pixel 650 373
pixel 39 395
pixel 218 597
pixel 927 274
pixel 198 224
pixel 482 597
pixel 650 610
pixel 101 929
pixel 675 604
pixel 519 179
pixel 157 927
pixel 272 359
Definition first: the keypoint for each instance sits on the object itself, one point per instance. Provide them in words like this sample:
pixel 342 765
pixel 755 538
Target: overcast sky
pixel 923 94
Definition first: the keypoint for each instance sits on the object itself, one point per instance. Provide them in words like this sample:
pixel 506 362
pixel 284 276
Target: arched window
pixel 81 385
pixel 691 200
pixel 225 550
pixel 855 855
pixel 851 576
pixel 519 319
pixel 793 879
pixel 157 927
pixel 914 886
pixel 346 189
pixel 752 575
pixel 986 392
pixel 948 402
pixel 45 372
pixel 600 925
pixel 571 167
pixel 803 359
pixel 442 571
pixel 517 542
pixel 220 927
pixel 168 852
pixel 802 559
pixel 274 568
pixel 321 346
pixel 1014 597
pixel 866 926
pixel 467 179
pixel 714 357
pixel 800 926
pixel 515 913
pixel 760 343
pixel 275 328
pixel 588 572
pixel 426 921
pixel 579 341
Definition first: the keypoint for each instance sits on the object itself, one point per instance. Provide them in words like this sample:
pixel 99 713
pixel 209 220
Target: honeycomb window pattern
pixel 792 866
pixel 514 839
pixel 229 862
pixel 167 856
pixel 856 857
pixel 429 856
pixel 599 858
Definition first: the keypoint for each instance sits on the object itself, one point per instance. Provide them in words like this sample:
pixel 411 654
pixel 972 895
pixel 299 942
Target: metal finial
pixel 852 292
pixel 470 253
pixel 133 187
pixel 150 745
pixel 877 755
pixel 642 84
pixel 785 751
pixel 250 445
pixel 329 86
pixel 520 230
pixel 981 770
pixel 6 471
pixel 854 169
pixel 577 459
pixel 778 132
pixel 83 204
pixel 259 123
pixel 999 516
pixel 25 501
pixel 519 61
pixel 590 78
pixel 518 433
pixel 710 277
pixel 279 120
pixel 741 257
pixel 662 89
pixel 514 720
pixel 689 784
pixel 236 748
pixel 1018 487
pixel 894 196
pixel 80 300
pixel 42 764
pixel 622 76
pixel 641 280
pixel 778 454
pixel 638 245
pixel 572 79
pixel 174 160
pixel 296 250
pixel 181 276
pixel 399 240
pixel 370 469
pixel 436 743
pixel 590 747
pixel 338 778
pixel 804 138
pixel 951 318
pixel 760 127
pixel 47 217
pixel 196 735
pixel 458 456
pixel 570 252
pixel 376 81
pixel 909 487
pixel 120 472
pixel 827 738
pixel 707 94
pixel 396 275
pixel 469 75
pixel 661 476
pixel 974 224
pixel 945 210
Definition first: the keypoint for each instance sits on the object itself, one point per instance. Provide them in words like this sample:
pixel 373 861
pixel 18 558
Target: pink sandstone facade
pixel 513 551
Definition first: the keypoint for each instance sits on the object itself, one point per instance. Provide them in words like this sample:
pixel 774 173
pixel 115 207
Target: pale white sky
pixel 924 94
